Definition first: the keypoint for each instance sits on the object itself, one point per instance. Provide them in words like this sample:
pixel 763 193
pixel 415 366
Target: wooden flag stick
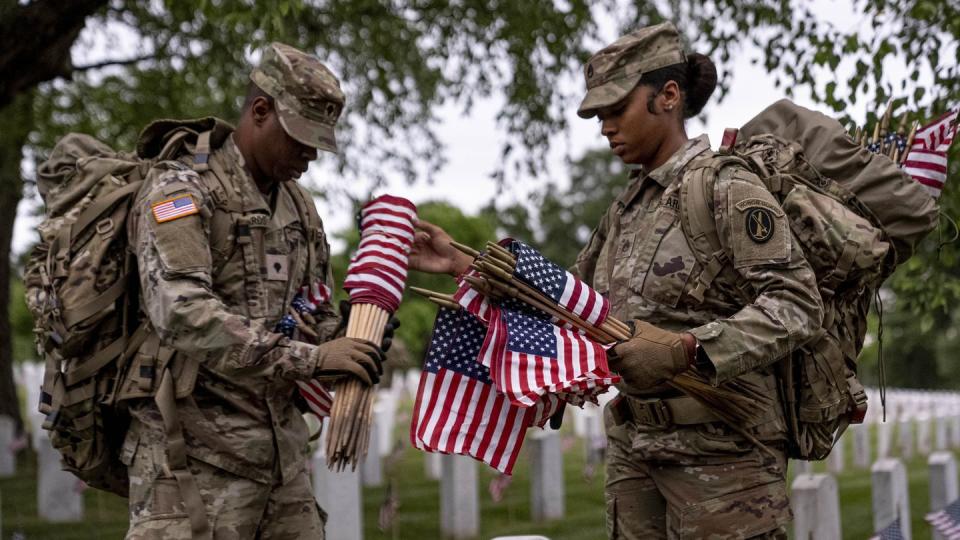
pixel 465 249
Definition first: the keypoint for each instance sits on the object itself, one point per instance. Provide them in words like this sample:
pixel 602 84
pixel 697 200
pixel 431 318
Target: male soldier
pixel 224 239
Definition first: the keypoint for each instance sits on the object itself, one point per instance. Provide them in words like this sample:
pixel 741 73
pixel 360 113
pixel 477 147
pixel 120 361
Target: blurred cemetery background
pixel 467 108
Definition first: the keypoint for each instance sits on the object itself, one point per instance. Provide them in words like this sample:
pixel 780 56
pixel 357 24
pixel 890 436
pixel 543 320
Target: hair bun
pixel 701 81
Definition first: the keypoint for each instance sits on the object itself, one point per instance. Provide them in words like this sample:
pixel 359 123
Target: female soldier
pixel 673 469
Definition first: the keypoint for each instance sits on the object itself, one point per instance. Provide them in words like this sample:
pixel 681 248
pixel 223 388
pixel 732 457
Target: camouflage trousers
pixel 236 508
pixel 654 492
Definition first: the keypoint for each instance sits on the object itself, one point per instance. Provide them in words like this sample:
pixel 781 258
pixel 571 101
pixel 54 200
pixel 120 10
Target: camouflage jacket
pixel 640 259
pixel 214 284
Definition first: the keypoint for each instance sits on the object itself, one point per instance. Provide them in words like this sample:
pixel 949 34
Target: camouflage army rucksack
pixel 855 214
pixel 82 288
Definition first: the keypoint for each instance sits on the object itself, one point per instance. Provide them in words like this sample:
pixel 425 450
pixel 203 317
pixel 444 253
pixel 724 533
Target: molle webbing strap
pixel 306 218
pixel 177 459
pixel 96 362
pixel 699 225
pixel 95 305
pixel 201 153
pixel 172 146
pixel 98 208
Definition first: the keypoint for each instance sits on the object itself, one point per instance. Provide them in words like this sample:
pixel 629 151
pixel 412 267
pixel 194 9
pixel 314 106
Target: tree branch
pixel 108 63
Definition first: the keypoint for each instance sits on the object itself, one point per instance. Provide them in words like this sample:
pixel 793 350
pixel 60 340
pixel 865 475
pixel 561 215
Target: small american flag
pixel 458 410
pixel 946 521
pixel 533 357
pixel 172 209
pixel 378 270
pixel 308 300
pixel 927 160
pixel 890 532
pixel 560 285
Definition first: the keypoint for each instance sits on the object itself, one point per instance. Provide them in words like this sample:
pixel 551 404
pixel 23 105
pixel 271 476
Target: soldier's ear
pixel 670 96
pixel 261 109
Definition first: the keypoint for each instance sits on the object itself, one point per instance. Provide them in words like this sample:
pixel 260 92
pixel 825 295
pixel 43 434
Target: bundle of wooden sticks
pixel 733 402
pixel 348 438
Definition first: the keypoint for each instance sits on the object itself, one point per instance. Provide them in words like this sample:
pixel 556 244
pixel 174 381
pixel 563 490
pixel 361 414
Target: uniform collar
pixel 666 173
pixel 235 165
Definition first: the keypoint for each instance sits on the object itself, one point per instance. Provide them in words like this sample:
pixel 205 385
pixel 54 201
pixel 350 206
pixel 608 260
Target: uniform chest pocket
pixel 667 268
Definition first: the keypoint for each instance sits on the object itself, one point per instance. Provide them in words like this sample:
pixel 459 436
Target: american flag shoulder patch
pixel 174 208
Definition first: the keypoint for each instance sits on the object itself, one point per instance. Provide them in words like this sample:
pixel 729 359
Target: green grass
pixel 418 516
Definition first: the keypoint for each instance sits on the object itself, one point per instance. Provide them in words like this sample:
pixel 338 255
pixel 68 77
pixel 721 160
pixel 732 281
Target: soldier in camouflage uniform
pixel 221 254
pixel 674 470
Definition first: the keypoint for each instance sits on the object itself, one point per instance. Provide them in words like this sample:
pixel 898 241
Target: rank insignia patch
pixel 759 224
pixel 175 208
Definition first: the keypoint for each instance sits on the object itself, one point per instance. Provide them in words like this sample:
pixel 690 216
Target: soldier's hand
pixel 651 356
pixel 348 356
pixel 388 333
pixel 432 252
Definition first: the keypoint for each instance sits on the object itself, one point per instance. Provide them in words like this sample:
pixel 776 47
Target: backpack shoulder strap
pixel 311 222
pixel 698 222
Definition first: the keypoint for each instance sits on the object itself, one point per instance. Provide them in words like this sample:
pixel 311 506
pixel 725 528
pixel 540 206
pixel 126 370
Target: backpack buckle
pixel 105 227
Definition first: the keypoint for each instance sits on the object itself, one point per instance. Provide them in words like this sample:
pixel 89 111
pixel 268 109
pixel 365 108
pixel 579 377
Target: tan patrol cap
pixel 616 69
pixel 308 96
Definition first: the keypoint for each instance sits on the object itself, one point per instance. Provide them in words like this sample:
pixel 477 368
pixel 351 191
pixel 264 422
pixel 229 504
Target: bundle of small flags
pixel 307 302
pixel 922 154
pixel 493 370
pixel 378 270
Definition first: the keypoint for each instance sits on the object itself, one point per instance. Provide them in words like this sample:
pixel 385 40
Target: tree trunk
pixel 13 136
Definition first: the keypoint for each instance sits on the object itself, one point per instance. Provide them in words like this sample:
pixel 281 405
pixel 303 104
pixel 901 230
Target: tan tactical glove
pixel 650 357
pixel 348 356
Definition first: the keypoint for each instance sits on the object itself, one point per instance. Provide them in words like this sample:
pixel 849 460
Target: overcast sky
pixel 473 142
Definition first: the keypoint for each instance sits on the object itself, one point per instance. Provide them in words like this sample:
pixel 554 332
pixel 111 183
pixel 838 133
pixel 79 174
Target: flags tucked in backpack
pixel 927 160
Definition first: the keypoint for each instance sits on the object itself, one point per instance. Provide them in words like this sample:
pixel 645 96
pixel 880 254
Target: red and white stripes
pixel 378 270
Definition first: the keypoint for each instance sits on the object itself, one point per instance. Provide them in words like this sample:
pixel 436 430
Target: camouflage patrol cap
pixel 616 69
pixel 306 93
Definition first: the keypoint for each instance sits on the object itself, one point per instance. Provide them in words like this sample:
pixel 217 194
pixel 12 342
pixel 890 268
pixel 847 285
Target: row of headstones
pixel 339 493
pixel 816 505
pixel 899 404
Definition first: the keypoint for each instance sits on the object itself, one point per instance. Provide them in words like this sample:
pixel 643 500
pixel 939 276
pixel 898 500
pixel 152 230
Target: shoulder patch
pixel 174 208
pixel 760 224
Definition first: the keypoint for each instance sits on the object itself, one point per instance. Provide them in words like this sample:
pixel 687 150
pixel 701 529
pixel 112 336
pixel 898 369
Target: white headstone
pixel 385 415
pixel 432 465
pixel 891 500
pixel 371 469
pixel 803 467
pixel 546 475
pixel 459 498
pixel 884 435
pixel 339 494
pixel 905 438
pixel 940 434
pixel 943 483
pixel 32 378
pixel 955 431
pixel 861 445
pixel 838 455
pixel 59 496
pixel 8 457
pixel 816 507
pixel 923 436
